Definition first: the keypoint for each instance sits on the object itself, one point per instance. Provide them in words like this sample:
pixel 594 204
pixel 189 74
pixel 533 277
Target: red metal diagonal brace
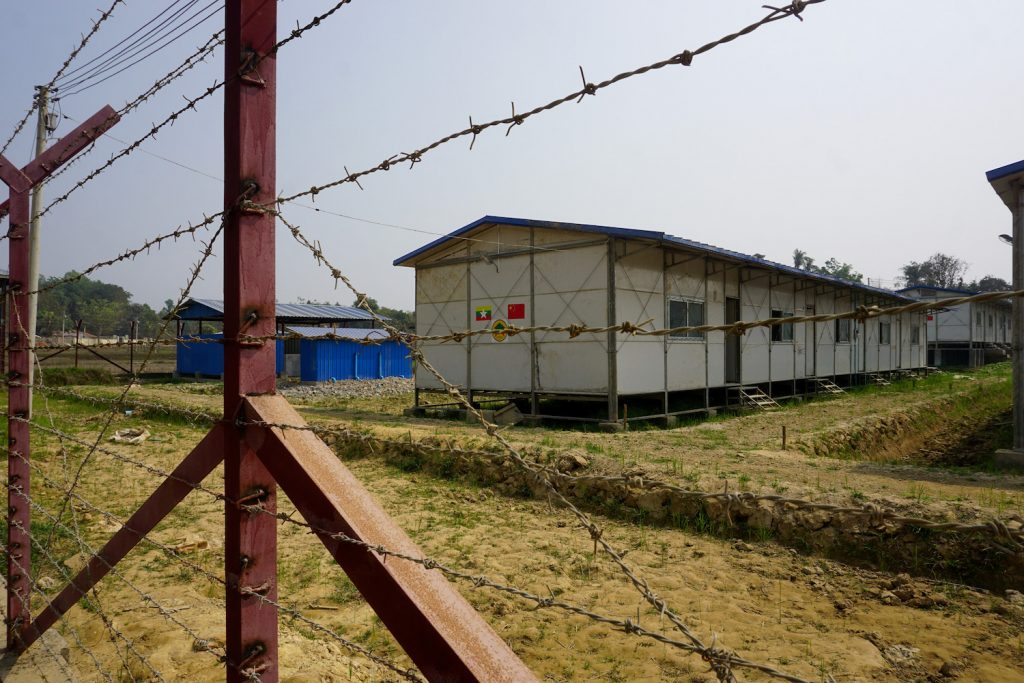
pixel 435 625
pixel 59 153
pixel 196 466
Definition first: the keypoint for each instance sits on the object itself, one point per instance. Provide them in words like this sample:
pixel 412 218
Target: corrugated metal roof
pixel 284 312
pixel 1002 181
pixel 340 332
pixel 664 238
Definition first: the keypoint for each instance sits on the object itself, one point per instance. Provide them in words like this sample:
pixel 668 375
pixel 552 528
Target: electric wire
pixel 86 85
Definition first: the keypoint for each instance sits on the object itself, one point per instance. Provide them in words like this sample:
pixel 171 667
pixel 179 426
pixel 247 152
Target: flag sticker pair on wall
pixel 515 312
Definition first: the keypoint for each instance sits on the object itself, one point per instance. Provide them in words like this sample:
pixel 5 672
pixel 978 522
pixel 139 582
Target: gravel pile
pixel 350 388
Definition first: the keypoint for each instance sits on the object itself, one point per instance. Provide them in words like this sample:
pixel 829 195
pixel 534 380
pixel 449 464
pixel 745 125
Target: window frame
pixel 848 324
pixel 915 335
pixel 778 332
pixel 884 339
pixel 688 302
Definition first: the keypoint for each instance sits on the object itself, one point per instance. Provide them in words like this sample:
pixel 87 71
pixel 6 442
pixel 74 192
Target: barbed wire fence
pixel 723 662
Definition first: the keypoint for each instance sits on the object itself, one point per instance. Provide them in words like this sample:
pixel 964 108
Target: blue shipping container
pixel 326 359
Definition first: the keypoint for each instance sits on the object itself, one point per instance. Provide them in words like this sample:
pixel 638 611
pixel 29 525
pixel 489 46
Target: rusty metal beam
pixel 442 633
pixel 196 466
pixel 250 540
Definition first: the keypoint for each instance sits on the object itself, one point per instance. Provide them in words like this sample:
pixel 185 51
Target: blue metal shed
pixel 338 354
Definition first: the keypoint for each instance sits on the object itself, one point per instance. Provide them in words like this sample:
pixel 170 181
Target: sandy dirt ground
pixel 809 616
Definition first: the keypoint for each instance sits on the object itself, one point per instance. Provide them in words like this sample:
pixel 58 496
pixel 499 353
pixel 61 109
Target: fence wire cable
pixel 64 622
pixel 199 569
pixel 721 661
pixel 575 330
pixel 197 268
pixel 164 612
pixel 190 104
pixel 108 624
pixel 60 72
pixel 685 58
pixel 95 597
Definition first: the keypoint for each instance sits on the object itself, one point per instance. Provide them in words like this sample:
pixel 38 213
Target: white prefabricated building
pixel 969 334
pixel 499 271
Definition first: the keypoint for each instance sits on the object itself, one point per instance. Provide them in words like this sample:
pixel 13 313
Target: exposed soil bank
pixel 858 536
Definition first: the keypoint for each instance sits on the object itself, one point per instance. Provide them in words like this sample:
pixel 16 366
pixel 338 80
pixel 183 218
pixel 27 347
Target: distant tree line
pixel 105 309
pixel 938 270
pixel 831 267
pixel 943 270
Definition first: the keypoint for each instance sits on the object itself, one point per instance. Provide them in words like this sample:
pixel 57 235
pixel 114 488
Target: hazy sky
pixel 862 133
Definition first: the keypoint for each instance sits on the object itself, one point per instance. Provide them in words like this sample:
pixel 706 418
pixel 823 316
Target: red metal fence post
pixel 250 551
pixel 19 546
pixel 19 561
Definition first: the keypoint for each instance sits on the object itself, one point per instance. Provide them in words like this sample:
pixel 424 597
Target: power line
pixel 85 84
pixel 122 41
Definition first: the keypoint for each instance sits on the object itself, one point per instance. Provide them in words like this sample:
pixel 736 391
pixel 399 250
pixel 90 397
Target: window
pixel 991 320
pixel 843 331
pixel 686 313
pixel 977 318
pixel 884 333
pixel 783 332
pixel 915 335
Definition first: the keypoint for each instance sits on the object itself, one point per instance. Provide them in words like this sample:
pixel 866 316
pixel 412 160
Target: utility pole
pixel 42 129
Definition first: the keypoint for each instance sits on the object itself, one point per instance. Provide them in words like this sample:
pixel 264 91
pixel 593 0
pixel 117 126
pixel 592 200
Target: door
pixel 732 342
pixel 810 347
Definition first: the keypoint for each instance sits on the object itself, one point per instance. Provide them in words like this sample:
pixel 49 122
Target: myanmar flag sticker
pixel 483 313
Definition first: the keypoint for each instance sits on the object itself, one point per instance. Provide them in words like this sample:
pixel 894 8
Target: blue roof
pixel 663 238
pixel 213 309
pixel 1003 171
pixel 357 333
pixel 1002 181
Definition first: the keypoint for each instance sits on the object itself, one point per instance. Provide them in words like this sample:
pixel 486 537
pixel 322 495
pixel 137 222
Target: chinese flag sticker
pixel 516 311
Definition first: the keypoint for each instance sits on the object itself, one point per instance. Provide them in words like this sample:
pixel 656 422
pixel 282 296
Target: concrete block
pixel 1009 459
pixel 610 426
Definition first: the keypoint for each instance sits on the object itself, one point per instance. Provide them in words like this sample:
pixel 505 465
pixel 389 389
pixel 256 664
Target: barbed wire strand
pixel 685 58
pixel 190 105
pixel 75 635
pixel 95 596
pixel 628 626
pixel 574 330
pixel 164 612
pixel 174 554
pixel 105 619
pixel 67 62
pixel 196 269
